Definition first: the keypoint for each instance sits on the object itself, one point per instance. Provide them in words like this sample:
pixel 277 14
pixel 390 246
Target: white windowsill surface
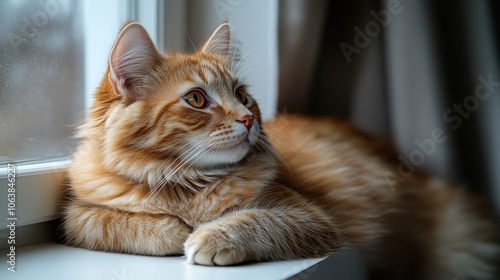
pixel 56 261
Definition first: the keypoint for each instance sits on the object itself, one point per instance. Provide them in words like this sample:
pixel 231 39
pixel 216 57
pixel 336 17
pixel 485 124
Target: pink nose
pixel 247 120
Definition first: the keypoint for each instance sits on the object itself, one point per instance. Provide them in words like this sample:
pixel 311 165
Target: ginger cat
pixel 174 159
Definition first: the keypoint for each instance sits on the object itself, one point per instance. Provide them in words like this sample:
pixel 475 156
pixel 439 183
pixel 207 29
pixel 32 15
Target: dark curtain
pixel 424 74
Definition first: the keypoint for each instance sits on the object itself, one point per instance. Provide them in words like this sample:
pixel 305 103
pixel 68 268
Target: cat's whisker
pixel 179 149
pixel 206 151
pixel 173 153
pixel 155 189
pixel 186 161
pixel 276 155
pixel 187 151
pixel 194 160
pixel 189 37
pixel 242 58
pixel 246 67
pixel 195 150
pixel 207 147
pixel 162 165
pixel 235 50
pixel 285 143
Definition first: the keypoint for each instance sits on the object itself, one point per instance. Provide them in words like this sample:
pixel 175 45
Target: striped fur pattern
pixel 174 159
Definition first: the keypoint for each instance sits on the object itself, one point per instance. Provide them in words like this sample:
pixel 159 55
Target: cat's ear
pixel 131 62
pixel 219 41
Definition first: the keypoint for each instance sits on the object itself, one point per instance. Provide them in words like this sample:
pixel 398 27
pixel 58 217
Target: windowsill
pixel 56 261
pixel 62 262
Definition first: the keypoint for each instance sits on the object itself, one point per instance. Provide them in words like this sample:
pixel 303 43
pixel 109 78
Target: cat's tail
pixel 463 240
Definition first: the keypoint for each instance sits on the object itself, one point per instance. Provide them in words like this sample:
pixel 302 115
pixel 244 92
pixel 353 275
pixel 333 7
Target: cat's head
pixel 191 107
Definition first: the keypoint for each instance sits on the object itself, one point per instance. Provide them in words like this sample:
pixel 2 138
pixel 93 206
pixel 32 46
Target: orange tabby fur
pixel 153 175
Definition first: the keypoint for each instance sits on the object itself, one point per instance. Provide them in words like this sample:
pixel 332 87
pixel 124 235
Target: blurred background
pixel 406 71
pixel 423 74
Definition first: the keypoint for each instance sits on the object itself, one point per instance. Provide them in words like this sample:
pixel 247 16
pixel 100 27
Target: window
pixel 41 68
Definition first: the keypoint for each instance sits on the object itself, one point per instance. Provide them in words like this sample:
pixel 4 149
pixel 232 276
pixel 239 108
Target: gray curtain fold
pixel 424 74
pixel 300 29
pixel 416 89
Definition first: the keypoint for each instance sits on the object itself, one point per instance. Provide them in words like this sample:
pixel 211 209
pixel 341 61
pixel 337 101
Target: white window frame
pixel 38 185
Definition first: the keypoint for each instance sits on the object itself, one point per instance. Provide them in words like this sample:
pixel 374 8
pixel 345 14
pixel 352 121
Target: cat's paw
pixel 213 246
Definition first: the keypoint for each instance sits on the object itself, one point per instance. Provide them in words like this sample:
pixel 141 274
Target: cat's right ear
pixel 219 41
pixel 131 62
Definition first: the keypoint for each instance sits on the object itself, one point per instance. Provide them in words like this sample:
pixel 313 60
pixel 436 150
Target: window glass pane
pixel 41 77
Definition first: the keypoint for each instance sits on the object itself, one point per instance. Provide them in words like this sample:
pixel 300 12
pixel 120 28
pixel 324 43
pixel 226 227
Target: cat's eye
pixel 241 95
pixel 196 98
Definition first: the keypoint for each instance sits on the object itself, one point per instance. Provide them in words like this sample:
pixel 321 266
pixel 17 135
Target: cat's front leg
pixel 107 229
pixel 281 225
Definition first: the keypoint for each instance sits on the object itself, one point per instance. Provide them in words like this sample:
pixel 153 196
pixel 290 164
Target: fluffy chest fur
pixel 229 192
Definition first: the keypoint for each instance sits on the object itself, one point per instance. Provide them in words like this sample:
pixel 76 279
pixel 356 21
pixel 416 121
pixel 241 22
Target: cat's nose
pixel 247 120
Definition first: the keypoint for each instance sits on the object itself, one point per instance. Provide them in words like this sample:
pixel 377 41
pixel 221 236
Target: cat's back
pixel 313 145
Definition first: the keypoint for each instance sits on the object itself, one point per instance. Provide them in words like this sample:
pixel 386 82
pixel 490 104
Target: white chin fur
pixel 232 154
pixel 228 156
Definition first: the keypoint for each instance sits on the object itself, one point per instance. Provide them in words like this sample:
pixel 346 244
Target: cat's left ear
pixel 219 41
pixel 132 61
